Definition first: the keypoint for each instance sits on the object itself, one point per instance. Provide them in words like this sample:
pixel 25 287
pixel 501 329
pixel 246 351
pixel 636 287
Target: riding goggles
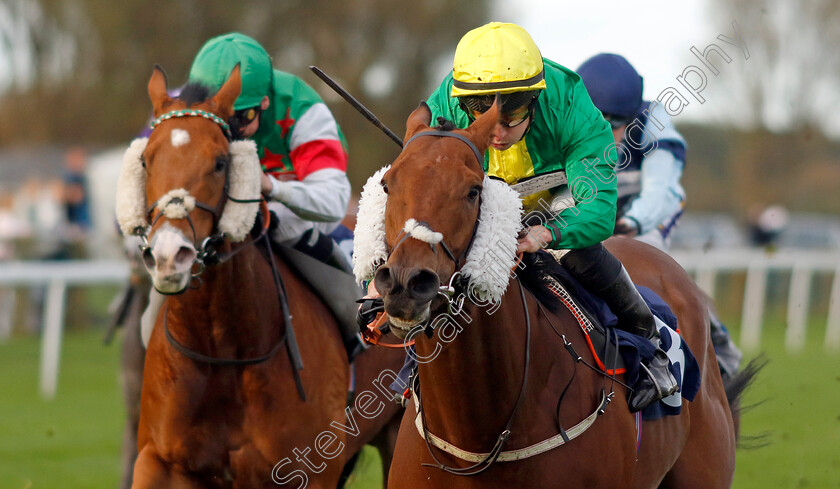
pixel 246 116
pixel 475 106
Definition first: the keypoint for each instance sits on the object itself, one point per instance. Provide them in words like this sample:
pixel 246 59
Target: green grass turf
pixel 73 441
pixel 797 406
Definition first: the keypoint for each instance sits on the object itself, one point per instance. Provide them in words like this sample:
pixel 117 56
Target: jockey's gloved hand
pixel 370 307
pixel 626 226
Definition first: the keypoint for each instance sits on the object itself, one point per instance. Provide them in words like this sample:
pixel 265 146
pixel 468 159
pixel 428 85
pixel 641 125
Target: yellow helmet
pixel 497 58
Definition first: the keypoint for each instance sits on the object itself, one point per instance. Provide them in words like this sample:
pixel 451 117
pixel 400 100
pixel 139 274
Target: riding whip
pixel 356 104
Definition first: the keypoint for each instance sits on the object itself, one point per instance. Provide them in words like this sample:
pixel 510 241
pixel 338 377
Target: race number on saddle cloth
pixel 635 350
pixel 598 330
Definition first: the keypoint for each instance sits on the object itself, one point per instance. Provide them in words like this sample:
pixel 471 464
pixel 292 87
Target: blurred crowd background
pixel 763 151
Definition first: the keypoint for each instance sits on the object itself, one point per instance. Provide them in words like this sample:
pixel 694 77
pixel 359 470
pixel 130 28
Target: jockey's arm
pixel 321 196
pixel 321 191
pixel 662 195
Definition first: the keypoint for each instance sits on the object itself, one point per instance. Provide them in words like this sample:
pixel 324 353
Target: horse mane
pixel 194 93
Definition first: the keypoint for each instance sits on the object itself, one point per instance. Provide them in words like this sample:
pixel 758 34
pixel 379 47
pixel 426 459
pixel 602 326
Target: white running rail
pixel 57 276
pixel 802 264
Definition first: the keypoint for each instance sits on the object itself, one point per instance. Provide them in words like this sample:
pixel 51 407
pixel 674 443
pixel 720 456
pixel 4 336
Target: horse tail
pixel 735 387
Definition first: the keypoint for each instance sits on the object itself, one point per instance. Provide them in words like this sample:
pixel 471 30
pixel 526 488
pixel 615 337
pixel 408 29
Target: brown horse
pixel 223 404
pixel 491 377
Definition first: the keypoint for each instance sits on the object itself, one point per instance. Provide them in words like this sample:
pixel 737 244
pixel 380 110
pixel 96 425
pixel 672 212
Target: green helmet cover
pixel 217 58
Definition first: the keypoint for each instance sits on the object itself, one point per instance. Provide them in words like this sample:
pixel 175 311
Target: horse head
pixel 435 191
pixel 178 189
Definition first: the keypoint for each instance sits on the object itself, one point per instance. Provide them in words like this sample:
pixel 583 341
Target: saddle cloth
pixel 600 335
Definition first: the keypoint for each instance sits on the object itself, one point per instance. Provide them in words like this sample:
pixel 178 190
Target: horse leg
pixel 133 358
pixel 385 442
pixel 150 472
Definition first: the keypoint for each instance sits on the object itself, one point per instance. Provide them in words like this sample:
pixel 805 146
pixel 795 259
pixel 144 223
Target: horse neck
pixel 480 373
pixel 232 304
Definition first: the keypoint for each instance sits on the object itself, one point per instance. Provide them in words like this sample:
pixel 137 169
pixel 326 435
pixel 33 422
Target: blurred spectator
pixel 39 205
pixel 75 192
pixel 12 228
pixel 766 224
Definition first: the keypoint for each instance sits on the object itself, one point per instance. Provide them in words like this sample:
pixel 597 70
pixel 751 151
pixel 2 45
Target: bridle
pixel 448 291
pixel 455 305
pixel 483 461
pixel 208 255
pixel 207 251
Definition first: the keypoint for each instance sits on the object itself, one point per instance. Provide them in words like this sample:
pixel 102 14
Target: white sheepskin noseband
pixel 237 218
pixel 369 247
pixel 493 252
pixel 131 190
pixel 245 172
pixel 176 204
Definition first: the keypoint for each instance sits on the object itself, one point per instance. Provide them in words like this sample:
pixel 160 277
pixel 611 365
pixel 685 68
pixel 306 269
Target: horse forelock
pixel 444 124
pixel 195 93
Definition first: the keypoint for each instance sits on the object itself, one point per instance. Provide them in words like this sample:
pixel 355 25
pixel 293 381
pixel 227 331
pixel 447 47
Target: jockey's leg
pixel 308 237
pixel 603 275
pixel 728 355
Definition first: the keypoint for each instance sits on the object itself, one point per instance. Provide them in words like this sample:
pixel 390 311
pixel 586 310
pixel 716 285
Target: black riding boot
pixel 603 275
pixel 322 247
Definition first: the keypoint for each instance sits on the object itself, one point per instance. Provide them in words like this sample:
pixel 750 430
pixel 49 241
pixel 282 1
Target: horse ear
pixel 481 130
pixel 157 90
pixel 418 120
pixel 227 95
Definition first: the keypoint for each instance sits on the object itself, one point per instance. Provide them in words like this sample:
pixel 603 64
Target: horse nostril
pixel 383 280
pixel 423 285
pixel 148 258
pixel 185 255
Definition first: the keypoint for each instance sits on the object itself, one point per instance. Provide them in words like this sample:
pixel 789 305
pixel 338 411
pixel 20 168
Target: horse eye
pixel 143 161
pixel 474 193
pixel 384 187
pixel 221 163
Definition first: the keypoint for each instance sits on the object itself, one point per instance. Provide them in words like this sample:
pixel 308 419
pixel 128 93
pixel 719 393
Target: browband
pixel 449 134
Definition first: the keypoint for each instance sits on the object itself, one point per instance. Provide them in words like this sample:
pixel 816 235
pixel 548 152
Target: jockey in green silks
pixel 549 124
pixel 301 148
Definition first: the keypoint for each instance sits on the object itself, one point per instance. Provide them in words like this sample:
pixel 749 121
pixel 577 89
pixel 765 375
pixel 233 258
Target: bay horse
pixel 246 376
pixel 495 376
